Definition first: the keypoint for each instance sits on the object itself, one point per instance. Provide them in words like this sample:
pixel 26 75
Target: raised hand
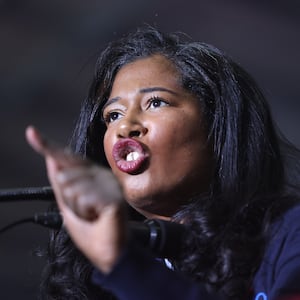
pixel 90 200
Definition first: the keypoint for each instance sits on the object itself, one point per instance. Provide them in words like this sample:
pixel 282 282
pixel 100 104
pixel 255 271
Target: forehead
pixel 145 72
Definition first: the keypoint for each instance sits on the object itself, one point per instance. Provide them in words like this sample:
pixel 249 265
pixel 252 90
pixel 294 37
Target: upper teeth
pixel 132 156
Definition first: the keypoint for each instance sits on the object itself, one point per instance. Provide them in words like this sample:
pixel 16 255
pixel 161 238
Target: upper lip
pixel 125 146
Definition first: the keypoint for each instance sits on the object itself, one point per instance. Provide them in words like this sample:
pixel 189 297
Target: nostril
pixel 134 133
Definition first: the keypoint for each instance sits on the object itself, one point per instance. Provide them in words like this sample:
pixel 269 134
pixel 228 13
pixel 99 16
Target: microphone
pixel 163 238
pixel 24 194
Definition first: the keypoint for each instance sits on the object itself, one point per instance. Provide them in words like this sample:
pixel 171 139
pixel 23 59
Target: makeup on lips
pixel 129 156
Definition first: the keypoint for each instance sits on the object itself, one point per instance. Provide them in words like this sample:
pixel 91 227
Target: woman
pixel 181 133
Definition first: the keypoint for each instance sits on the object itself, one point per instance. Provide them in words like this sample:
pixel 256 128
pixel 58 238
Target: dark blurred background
pixel 48 49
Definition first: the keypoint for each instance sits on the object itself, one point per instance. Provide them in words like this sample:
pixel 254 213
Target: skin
pixel 90 200
pixel 148 104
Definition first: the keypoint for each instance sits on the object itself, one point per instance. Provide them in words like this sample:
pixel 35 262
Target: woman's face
pixel 155 140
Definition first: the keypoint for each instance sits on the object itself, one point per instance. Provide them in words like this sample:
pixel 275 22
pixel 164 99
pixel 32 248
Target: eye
pixel 112 116
pixel 157 102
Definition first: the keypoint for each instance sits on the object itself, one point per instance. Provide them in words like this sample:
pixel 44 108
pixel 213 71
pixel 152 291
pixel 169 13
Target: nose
pixel 130 127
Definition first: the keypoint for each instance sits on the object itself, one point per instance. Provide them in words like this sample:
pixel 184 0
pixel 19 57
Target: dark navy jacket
pixel 138 276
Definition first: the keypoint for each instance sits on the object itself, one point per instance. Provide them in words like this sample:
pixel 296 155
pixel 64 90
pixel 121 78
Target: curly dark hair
pixel 249 186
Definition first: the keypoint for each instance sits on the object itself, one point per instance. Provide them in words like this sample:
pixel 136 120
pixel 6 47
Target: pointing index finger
pixel 46 147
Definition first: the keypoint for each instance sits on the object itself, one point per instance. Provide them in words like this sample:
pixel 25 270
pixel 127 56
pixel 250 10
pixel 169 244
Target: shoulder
pixel 286 225
pixel 282 253
pixel 285 233
pixel 293 212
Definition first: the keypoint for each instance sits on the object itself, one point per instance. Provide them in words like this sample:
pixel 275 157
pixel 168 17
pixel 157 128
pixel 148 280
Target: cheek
pixel 182 130
pixel 108 146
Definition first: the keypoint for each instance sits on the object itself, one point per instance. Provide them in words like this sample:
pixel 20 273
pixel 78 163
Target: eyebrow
pixel 142 91
pixel 157 89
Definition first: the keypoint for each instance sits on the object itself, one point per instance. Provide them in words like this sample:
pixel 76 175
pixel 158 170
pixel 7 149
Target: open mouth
pixel 129 156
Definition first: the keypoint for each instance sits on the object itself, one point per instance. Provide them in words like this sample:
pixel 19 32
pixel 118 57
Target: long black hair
pixel 248 188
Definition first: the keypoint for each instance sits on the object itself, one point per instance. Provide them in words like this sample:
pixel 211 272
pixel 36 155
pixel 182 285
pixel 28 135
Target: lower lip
pixel 130 167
